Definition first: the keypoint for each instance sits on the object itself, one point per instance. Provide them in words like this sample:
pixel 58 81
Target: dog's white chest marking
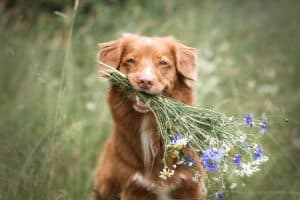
pixel 162 192
pixel 147 142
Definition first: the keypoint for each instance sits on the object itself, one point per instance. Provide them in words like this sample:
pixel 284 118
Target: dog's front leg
pixel 106 190
pixel 106 185
pixel 189 189
pixel 136 190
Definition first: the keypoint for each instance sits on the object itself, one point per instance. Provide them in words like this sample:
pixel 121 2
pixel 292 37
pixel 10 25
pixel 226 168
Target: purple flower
pixel 188 161
pixel 211 159
pixel 176 137
pixel 258 153
pixel 237 160
pixel 264 126
pixel 249 120
pixel 220 195
pixel 178 142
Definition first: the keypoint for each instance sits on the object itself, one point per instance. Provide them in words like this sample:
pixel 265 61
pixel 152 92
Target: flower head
pixel 197 176
pixel 166 173
pixel 174 153
pixel 220 195
pixel 178 142
pixel 249 120
pixel 237 160
pixel 211 159
pixel 188 161
pixel 247 169
pixel 258 153
pixel 264 126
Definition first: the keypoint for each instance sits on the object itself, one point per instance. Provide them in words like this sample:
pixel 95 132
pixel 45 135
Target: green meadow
pixel 54 117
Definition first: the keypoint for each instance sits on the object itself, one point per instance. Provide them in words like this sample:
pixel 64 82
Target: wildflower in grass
pixel 178 142
pixel 188 161
pixel 90 106
pixel 264 126
pixel 258 153
pixel 166 173
pixel 233 186
pixel 247 169
pixel 211 159
pixel 225 168
pixel 249 120
pixel 261 160
pixel 220 195
pixel 197 176
pixel 237 160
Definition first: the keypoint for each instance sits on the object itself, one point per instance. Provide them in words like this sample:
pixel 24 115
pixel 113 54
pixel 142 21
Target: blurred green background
pixel 53 112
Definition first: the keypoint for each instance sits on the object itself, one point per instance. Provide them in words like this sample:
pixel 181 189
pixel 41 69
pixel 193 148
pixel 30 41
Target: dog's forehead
pixel 150 44
pixel 148 41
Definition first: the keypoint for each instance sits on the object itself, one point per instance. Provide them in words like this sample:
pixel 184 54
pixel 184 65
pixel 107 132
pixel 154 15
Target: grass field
pixel 53 112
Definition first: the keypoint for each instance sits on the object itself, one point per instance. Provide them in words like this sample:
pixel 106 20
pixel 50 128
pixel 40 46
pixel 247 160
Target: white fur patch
pixel 148 72
pixel 141 180
pixel 162 192
pixel 147 143
pixel 148 41
pixel 183 176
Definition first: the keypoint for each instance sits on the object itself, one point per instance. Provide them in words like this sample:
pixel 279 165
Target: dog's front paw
pixel 105 192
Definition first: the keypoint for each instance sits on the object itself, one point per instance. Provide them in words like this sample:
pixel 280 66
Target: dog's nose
pixel 145 82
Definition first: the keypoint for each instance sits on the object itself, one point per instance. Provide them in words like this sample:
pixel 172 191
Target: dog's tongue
pixel 140 103
pixel 141 106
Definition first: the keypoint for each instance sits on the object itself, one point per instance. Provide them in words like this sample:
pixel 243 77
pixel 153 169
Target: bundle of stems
pixel 203 127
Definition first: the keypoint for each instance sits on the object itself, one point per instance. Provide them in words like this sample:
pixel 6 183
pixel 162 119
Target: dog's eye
pixel 163 63
pixel 130 60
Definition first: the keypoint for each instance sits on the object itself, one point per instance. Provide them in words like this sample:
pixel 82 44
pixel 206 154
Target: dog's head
pixel 153 64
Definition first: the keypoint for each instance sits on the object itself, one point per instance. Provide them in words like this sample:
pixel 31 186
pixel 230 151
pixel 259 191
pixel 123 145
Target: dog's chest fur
pixel 149 148
pixel 147 143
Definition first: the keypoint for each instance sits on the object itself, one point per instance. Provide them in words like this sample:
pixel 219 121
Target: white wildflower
pixel 90 106
pixel 166 173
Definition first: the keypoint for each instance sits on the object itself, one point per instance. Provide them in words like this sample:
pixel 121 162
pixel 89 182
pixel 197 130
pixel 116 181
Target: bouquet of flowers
pixel 225 144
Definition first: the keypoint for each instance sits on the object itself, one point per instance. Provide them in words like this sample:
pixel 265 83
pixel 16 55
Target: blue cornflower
pixel 174 138
pixel 211 159
pixel 249 120
pixel 220 195
pixel 179 139
pixel 237 160
pixel 258 153
pixel 188 161
pixel 264 126
pixel 178 142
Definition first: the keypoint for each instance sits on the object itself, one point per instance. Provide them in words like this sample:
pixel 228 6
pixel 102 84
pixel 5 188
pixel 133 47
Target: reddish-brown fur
pixel 122 156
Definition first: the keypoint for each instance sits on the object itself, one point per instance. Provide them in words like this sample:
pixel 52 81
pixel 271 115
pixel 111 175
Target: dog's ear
pixel 110 54
pixel 186 59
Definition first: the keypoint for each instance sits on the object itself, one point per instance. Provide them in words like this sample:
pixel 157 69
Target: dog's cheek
pixel 124 69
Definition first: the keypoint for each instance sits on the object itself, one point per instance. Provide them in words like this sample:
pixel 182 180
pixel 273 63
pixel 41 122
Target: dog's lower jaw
pixel 140 106
pixel 140 109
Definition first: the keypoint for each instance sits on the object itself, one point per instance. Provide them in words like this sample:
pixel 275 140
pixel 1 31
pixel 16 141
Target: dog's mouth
pixel 139 105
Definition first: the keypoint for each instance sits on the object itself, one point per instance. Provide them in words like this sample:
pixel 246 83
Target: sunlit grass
pixel 54 117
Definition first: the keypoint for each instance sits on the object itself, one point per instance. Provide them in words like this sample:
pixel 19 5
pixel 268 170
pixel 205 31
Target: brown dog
pixel 130 164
